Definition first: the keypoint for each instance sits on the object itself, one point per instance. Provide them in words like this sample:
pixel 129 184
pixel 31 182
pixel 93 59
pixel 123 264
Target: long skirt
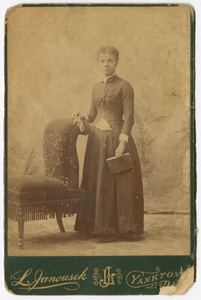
pixel 114 202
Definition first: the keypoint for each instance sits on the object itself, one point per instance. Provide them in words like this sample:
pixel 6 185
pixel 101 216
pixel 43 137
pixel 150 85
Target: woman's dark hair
pixel 110 50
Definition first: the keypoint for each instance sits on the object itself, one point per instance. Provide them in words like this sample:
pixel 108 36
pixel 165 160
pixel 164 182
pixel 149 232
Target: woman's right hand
pixel 77 120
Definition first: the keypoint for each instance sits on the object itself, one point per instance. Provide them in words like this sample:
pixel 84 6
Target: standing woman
pixel 114 202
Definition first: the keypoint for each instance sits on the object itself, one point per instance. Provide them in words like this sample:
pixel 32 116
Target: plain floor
pixel 164 234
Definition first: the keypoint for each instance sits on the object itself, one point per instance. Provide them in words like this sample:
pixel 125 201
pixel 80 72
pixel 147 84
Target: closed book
pixel 119 164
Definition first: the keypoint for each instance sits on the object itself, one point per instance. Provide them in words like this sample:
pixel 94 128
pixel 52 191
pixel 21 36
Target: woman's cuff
pixel 123 137
pixel 86 118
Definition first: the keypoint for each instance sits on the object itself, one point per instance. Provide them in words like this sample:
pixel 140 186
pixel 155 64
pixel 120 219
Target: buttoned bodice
pixel 114 102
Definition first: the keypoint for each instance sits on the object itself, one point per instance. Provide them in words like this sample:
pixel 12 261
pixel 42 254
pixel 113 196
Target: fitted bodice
pixel 109 105
pixel 113 101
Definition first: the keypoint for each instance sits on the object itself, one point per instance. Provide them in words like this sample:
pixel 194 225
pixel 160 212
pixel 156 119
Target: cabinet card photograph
pixel 99 149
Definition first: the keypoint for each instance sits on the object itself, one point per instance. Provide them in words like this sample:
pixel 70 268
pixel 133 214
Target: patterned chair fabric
pixel 33 197
pixel 59 150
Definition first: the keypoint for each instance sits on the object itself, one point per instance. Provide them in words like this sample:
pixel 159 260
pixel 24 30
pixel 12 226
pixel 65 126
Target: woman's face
pixel 107 63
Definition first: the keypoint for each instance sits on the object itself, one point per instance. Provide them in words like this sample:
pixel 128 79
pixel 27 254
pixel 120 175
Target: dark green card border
pixel 168 266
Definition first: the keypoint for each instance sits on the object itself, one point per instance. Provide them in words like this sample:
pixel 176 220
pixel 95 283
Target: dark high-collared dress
pixel 114 202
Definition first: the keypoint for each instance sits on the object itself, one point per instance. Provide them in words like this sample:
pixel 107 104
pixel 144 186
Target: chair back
pixel 59 151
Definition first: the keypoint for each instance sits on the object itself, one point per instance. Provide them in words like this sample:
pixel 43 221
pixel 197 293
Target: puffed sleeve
pixel 128 108
pixel 92 111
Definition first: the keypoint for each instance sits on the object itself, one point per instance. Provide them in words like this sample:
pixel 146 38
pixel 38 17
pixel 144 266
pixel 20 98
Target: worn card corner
pixel 10 10
pixel 185 282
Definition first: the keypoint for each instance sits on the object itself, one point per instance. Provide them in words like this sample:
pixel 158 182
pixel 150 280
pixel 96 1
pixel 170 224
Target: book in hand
pixel 118 164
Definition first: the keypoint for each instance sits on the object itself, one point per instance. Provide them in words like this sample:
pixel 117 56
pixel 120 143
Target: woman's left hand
pixel 120 149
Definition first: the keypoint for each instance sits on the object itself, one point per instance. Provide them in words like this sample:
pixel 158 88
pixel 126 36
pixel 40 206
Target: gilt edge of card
pixel 102 274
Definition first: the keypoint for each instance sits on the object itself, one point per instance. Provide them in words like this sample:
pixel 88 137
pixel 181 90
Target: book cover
pixel 119 164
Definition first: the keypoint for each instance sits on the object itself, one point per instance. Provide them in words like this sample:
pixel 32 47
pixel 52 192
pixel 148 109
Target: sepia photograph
pixel 99 122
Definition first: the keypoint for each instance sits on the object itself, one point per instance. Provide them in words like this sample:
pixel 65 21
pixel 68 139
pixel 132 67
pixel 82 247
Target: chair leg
pixel 60 223
pixel 20 230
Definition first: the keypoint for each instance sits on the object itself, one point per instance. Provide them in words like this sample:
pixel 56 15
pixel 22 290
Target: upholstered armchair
pixel 34 197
